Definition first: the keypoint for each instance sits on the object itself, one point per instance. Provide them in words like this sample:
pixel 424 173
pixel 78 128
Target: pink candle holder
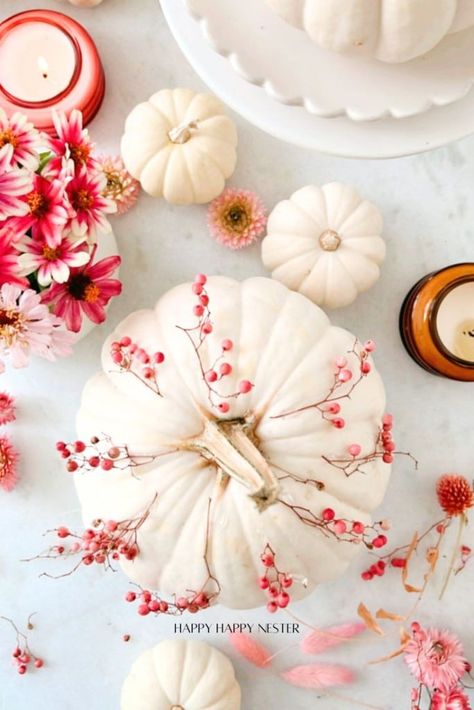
pixel 85 87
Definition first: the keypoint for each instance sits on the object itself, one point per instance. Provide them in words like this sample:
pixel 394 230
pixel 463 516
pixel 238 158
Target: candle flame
pixel 43 66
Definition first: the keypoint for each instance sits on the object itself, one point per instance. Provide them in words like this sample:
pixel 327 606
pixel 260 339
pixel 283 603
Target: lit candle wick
pixel 43 67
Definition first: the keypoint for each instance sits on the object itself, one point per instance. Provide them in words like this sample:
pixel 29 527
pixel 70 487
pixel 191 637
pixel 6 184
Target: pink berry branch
pixel 106 542
pixel 135 360
pixel 23 656
pixel 194 601
pixel 220 368
pixel 102 453
pixel 274 581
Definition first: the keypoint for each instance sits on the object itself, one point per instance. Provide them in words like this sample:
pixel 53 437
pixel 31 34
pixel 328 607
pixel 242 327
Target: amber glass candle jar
pixel 437 322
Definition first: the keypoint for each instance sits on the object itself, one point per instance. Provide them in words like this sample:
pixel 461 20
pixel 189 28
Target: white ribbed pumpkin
pixel 325 242
pixel 181 146
pixel 286 346
pixel 181 675
pixel 390 30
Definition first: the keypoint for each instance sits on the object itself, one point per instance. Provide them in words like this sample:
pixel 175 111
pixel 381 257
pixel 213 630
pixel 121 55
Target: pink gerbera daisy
pixel 121 187
pixel 23 139
pixel 47 211
pixel 14 184
pixel 51 263
pixel 237 218
pixel 9 269
pixel 85 192
pixel 453 700
pixel 88 291
pixel 72 144
pixel 7 408
pixel 8 462
pixel 26 326
pixel 436 658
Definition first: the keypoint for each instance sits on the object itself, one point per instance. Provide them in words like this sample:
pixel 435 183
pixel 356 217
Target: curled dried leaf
pixel 389 615
pixel 369 619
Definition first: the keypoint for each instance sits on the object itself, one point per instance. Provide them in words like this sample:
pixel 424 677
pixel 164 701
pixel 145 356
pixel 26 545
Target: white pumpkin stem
pixel 182 133
pixel 228 446
pixel 329 240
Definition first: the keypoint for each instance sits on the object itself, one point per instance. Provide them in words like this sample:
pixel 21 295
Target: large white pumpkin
pixel 286 347
pixel 181 146
pixel 181 675
pixel 325 242
pixel 390 30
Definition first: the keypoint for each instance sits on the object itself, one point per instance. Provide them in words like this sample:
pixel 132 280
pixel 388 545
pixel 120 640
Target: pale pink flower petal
pixel 237 218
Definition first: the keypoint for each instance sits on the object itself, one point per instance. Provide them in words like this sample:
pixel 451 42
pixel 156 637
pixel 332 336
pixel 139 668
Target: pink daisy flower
pixel 47 211
pixel 22 138
pixel 237 218
pixel 121 187
pixel 72 144
pixel 26 326
pixel 454 700
pixel 436 658
pixel 8 463
pixel 85 192
pixel 88 291
pixel 13 185
pixel 9 268
pixel 7 408
pixel 51 263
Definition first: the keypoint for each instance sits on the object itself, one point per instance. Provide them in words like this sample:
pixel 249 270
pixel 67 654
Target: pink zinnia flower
pixel 22 138
pixel 88 291
pixel 9 268
pixel 47 211
pixel 7 408
pixel 72 144
pixel 14 184
pixel 51 263
pixel 26 326
pixel 436 658
pixel 121 187
pixel 454 700
pixel 237 218
pixel 85 192
pixel 8 462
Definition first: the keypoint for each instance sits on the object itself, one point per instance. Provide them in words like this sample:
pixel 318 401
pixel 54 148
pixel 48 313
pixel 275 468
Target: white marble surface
pixel 429 215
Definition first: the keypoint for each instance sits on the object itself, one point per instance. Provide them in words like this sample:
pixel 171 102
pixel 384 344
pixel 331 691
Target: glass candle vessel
pixel 437 322
pixel 48 61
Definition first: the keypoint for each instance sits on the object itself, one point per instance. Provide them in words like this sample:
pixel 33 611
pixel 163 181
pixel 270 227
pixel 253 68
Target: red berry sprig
pixel 22 655
pixel 132 358
pixel 274 582
pixel 151 603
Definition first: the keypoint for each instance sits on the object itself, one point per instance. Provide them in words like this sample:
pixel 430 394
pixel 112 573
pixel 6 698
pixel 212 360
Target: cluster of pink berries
pixel 274 582
pixel 220 368
pixel 379 568
pixel 130 357
pixel 150 603
pixel 355 531
pixel 24 659
pixel 386 441
pixel 98 454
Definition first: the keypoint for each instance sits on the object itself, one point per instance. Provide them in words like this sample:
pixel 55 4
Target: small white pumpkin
pixel 325 243
pixel 181 146
pixel 390 30
pixel 252 453
pixel 181 675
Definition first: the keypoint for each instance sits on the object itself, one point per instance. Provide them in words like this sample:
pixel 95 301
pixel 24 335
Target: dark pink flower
pixel 88 291
pixel 7 408
pixel 9 267
pixel 47 211
pixel 453 700
pixel 22 138
pixel 8 463
pixel 71 145
pixel 436 658
pixel 14 184
pixel 86 196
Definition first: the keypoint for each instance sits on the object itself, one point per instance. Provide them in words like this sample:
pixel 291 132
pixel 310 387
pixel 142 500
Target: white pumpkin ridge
pixel 286 347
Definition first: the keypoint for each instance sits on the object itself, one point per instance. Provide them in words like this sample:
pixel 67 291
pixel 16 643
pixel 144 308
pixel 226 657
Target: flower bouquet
pixel 57 266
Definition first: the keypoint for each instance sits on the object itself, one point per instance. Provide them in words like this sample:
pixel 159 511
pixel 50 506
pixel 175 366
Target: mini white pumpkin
pixel 390 30
pixel 181 675
pixel 325 243
pixel 285 346
pixel 181 146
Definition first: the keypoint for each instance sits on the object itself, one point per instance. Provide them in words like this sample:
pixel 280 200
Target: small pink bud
pixel 158 358
pixel 338 422
pixel 197 289
pixel 198 310
pixel 245 386
pixel 225 369
pixel 143 610
pixel 358 528
pixel 207 328
pixel 211 376
pixel 63 532
pixel 334 408
pixel 223 407
pixel 117 357
pixel 267 560
pixel 328 514
pixel 283 600
pixel 341 362
pixel 387 458
pixel 272 607
pixel 39 663
pixel 227 344
pixel 369 346
pixel 340 527
pixel 365 368
pixel 344 376
pixel 125 342
pixel 200 279
pixel 354 449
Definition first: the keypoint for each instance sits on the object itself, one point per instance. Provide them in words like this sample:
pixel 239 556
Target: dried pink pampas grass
pixel 318 675
pixel 321 640
pixel 253 651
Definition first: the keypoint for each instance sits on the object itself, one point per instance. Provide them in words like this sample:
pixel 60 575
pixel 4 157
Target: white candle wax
pixel 37 61
pixel 455 321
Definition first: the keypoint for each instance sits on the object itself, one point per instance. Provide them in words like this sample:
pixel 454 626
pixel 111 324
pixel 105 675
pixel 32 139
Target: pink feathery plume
pixel 318 675
pixel 320 640
pixel 251 650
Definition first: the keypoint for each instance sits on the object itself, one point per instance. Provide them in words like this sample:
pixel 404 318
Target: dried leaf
pixel 432 557
pixel 369 620
pixel 321 639
pixel 251 650
pixel 383 614
pixel 319 675
pixel 411 550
